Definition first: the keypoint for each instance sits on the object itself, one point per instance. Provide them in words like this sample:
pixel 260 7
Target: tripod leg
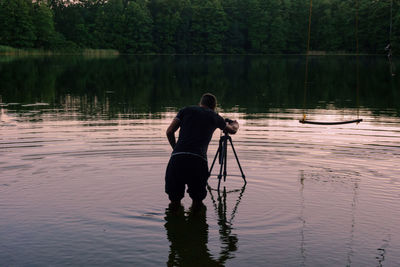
pixel 222 163
pixel 215 158
pixel 225 157
pixel 237 159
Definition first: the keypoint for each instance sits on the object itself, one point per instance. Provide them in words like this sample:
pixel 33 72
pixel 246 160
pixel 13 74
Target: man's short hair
pixel 209 100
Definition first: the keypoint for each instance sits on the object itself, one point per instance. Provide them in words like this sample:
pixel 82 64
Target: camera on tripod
pixel 229 121
pixel 222 156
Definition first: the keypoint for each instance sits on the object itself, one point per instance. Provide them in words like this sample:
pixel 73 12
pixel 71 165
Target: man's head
pixel 208 100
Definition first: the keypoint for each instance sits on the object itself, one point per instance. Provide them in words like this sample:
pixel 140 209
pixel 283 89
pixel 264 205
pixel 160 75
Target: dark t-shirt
pixel 197 127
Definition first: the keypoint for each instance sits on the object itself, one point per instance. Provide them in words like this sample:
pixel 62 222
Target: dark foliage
pixel 199 26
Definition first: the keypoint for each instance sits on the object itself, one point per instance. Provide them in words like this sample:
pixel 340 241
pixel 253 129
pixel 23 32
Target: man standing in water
pixel 188 162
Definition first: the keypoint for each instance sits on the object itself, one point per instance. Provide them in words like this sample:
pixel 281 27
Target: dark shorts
pixel 187 170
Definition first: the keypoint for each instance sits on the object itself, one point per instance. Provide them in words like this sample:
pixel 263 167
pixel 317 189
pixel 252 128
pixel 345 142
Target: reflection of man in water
pixel 188 236
pixel 188 163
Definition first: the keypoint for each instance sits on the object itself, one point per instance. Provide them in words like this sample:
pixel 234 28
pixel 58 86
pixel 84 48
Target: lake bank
pixel 11 51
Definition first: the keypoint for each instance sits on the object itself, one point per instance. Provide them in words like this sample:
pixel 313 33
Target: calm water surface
pixel 83 154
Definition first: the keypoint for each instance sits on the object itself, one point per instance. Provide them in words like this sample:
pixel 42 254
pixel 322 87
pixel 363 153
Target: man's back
pixel 197 125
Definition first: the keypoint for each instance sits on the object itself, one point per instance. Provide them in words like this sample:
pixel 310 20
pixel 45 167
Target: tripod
pixel 222 159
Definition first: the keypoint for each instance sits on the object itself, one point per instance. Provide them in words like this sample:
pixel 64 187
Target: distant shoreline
pixel 10 51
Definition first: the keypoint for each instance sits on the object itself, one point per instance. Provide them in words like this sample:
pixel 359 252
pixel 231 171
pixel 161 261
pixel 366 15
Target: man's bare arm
pixel 172 128
pixel 232 127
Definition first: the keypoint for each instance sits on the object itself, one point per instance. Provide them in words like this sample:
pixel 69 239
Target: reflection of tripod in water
pixel 222 159
pixel 228 239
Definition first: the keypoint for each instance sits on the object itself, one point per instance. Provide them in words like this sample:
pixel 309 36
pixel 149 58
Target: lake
pixel 83 154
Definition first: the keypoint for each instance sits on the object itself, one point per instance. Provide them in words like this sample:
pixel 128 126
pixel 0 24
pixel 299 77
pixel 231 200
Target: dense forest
pixel 200 26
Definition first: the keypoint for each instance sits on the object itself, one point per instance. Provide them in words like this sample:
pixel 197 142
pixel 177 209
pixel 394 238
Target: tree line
pixel 199 26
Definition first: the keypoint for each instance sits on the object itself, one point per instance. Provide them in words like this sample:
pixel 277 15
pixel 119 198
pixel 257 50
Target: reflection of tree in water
pixel 332 177
pixel 143 84
pixel 353 223
pixel 188 234
pixel 355 185
pixel 382 251
pixel 303 221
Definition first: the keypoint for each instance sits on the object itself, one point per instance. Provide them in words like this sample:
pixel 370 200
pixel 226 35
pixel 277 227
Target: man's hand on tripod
pixel 231 126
